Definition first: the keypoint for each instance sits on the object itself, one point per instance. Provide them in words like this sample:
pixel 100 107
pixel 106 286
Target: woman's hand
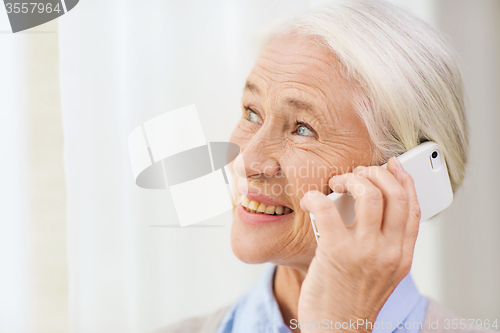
pixel 356 268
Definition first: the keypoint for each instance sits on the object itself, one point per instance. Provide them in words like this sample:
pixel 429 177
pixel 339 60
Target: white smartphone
pixel 426 164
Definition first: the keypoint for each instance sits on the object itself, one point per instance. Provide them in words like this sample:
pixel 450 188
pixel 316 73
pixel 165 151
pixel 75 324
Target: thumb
pixel 326 215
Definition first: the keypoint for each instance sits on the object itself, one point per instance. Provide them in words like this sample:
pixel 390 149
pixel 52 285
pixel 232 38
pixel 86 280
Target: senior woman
pixel 337 92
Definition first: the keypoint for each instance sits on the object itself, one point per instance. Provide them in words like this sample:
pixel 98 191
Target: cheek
pixel 308 170
pixel 305 172
pixel 240 137
pixel 243 133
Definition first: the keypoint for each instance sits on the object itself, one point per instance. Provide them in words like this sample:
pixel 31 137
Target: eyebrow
pixel 299 105
pixel 251 87
pixel 291 102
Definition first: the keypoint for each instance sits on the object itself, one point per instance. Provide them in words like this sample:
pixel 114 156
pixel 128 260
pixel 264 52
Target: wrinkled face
pixel 298 128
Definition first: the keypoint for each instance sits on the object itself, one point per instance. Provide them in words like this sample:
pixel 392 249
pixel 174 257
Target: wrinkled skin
pixel 298 115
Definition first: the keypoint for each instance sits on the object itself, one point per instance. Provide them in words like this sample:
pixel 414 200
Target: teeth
pixel 261 209
pixel 245 202
pixel 253 206
pixel 270 209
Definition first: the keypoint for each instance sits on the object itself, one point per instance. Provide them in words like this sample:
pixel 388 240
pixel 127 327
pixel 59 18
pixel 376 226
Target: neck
pixel 287 284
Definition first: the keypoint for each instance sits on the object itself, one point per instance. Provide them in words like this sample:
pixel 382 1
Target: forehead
pixel 301 56
pixel 298 65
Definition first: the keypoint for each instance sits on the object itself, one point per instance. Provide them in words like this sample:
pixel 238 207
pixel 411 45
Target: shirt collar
pixel 258 310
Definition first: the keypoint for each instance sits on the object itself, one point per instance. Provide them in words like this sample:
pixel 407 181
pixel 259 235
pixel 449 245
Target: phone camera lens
pixel 434 154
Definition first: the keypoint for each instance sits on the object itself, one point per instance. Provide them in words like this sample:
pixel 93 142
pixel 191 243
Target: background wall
pixel 130 268
pixel 471 228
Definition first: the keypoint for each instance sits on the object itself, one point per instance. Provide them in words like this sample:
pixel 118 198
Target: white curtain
pixel 126 266
pixel 33 265
pixel 14 305
pixel 124 62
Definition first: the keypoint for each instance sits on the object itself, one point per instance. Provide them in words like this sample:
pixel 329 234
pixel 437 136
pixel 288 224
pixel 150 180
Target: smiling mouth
pixel 256 207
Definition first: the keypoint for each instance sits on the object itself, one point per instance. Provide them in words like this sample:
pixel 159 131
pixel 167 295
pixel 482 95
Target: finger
pixel 414 215
pixel 327 217
pixel 396 197
pixel 369 206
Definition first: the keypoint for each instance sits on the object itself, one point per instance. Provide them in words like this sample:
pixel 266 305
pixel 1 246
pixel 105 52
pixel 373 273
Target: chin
pixel 249 253
pixel 257 243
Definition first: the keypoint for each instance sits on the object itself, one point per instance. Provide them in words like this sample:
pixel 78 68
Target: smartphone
pixel 426 164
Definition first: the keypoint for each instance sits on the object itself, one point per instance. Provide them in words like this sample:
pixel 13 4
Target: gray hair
pixel 408 75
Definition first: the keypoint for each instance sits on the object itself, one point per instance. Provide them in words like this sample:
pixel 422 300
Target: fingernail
pixel 398 174
pixel 398 164
pixel 334 177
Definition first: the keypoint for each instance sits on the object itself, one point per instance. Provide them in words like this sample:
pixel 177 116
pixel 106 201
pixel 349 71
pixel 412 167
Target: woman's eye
pixel 253 116
pixel 303 130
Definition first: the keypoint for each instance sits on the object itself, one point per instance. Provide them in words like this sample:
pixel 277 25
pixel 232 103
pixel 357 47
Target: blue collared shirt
pixel 258 312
